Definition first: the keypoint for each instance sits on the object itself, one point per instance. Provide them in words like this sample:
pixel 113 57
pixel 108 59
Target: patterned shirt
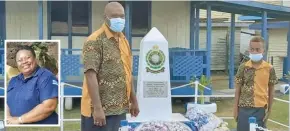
pixel 111 60
pixel 255 83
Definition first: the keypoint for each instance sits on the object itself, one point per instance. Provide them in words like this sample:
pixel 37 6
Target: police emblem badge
pixel 155 60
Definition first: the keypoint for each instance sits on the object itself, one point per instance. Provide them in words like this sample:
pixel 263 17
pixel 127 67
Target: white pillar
pixel 68 103
pixel 252 122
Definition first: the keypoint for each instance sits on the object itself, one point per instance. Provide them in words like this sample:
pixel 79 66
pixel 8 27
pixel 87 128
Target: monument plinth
pixel 153 87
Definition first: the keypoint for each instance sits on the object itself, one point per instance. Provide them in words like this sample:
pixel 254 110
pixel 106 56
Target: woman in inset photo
pixel 32 95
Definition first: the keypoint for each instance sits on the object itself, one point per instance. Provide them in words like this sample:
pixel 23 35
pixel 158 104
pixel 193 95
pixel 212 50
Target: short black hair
pixel 25 47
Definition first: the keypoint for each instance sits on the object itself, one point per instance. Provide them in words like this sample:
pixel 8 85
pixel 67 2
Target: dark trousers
pixel 245 113
pixel 112 123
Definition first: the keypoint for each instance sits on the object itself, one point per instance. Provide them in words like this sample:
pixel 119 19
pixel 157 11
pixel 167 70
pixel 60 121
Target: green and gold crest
pixel 155 59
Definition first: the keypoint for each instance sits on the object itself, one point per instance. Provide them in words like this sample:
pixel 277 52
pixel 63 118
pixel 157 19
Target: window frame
pixel 148 17
pixel 69 15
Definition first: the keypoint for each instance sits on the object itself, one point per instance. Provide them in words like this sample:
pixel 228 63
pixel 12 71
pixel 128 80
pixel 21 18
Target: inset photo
pixel 32 87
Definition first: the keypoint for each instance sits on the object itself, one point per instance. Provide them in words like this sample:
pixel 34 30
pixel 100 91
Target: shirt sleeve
pixel 92 55
pixel 273 80
pixel 10 84
pixel 239 78
pixel 48 89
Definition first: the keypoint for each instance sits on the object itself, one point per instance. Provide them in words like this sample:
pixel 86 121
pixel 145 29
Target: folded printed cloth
pixel 214 124
pixel 198 116
pixel 222 127
pixel 205 121
pixel 162 126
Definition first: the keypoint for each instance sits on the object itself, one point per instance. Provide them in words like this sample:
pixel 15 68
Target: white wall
pixel 286 3
pixel 277 49
pixel 273 2
pixel 245 39
pixel 175 27
pixel 98 14
pixel 172 20
pixel 219 46
pixel 278 42
pixel 22 19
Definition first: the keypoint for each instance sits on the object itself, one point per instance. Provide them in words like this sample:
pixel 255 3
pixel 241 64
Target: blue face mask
pixel 256 57
pixel 117 24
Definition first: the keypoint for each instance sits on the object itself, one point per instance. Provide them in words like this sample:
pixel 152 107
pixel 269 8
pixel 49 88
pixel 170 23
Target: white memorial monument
pixel 153 86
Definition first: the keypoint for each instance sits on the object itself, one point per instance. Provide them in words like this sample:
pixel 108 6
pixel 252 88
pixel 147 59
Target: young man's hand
pixel 236 114
pixel 266 116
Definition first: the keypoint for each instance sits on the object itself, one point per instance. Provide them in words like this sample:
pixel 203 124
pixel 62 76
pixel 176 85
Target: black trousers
pixel 245 113
pixel 112 123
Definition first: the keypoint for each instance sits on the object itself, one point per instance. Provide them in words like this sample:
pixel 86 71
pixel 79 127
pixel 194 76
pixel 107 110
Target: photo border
pixel 59 86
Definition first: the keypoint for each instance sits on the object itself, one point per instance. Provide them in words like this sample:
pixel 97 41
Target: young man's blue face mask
pixel 117 24
pixel 256 57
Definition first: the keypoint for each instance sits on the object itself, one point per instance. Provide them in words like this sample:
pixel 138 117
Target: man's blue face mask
pixel 117 24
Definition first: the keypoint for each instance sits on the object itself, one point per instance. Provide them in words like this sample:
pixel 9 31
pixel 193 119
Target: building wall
pixel 98 8
pixel 97 20
pixel 286 3
pixel 272 2
pixel 245 39
pixel 220 46
pixel 277 49
pixel 22 20
pixel 175 27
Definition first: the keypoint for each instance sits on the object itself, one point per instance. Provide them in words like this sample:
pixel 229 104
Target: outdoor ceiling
pixel 250 8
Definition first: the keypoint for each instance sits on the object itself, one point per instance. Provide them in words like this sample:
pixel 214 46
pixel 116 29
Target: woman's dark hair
pixel 25 47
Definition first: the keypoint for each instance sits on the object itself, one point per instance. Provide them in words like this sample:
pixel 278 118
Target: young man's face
pixel 256 48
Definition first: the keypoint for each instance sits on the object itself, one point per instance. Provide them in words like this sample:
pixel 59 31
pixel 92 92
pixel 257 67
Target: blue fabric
pixel 25 94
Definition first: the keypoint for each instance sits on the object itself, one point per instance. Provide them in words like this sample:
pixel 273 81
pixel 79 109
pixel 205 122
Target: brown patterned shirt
pixel 255 83
pixel 111 60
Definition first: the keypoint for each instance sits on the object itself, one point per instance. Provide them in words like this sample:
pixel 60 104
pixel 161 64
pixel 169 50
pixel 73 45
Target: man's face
pixel 116 12
pixel 26 62
pixel 256 48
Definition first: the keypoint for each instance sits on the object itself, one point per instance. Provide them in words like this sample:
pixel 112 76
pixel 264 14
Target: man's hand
pixel 99 117
pixel 266 117
pixel 13 120
pixel 236 114
pixel 134 109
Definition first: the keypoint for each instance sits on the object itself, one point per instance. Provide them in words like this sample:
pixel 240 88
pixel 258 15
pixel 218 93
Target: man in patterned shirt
pixel 107 88
pixel 255 82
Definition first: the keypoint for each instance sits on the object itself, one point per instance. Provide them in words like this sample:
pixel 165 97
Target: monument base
pixel 174 118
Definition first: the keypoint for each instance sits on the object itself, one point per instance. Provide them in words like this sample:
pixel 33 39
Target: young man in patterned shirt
pixel 107 88
pixel 255 82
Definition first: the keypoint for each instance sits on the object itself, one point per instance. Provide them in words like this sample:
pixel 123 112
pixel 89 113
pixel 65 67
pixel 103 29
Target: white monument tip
pixel 154 35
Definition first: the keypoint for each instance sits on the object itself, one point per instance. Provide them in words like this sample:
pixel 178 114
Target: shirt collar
pixel 36 72
pixel 109 33
pixel 264 64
